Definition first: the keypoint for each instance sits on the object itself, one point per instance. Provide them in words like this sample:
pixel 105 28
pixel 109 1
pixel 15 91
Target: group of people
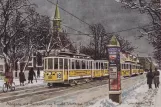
pixel 153 77
pixel 31 76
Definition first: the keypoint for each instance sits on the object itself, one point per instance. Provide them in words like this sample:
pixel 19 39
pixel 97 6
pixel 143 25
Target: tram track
pixel 33 88
pixel 47 93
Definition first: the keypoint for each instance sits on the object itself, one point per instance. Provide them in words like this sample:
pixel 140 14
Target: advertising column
pixel 114 70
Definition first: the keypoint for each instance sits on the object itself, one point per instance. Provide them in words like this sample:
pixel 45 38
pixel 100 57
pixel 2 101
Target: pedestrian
pixel 31 74
pixel 150 77
pixel 22 78
pixel 38 73
pixel 156 78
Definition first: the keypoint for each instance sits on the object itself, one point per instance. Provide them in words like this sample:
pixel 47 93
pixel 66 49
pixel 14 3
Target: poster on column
pixel 113 72
pixel 113 84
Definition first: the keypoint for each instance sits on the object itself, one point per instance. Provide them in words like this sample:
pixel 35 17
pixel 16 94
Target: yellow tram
pixel 69 70
pixel 131 66
pixel 73 68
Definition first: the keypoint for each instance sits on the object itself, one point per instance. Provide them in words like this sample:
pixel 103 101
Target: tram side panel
pixel 125 69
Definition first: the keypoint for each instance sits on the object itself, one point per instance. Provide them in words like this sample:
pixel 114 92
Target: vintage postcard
pixel 80 53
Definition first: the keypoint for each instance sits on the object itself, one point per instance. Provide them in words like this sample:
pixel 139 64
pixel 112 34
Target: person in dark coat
pixel 31 75
pixel 38 73
pixel 22 77
pixel 150 77
pixel 156 78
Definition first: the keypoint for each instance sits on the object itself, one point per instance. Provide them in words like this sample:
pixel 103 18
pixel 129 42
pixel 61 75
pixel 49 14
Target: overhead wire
pixel 91 25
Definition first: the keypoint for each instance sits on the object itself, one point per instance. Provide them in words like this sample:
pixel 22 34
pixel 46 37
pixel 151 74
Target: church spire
pixel 57 19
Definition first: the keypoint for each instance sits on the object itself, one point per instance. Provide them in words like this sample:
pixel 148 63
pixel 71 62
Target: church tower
pixel 57 20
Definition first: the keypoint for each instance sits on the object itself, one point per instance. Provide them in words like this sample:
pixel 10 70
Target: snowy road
pixel 81 95
pixel 84 97
pixel 137 96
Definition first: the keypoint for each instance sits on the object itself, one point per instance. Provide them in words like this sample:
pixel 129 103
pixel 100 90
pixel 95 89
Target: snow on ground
pixel 40 81
pixel 137 96
pixel 17 83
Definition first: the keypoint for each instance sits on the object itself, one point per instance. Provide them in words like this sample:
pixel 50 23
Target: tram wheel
pixel 49 85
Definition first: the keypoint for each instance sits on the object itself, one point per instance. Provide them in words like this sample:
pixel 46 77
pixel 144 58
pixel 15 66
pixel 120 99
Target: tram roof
pixel 67 58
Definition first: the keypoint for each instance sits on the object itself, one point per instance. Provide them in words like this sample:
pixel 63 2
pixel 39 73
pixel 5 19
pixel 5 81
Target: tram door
pixel 66 68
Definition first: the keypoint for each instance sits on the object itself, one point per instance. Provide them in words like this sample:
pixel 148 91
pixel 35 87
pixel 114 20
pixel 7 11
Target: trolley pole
pixel 115 92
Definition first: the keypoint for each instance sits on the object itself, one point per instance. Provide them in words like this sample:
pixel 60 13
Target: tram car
pixel 131 66
pixel 70 69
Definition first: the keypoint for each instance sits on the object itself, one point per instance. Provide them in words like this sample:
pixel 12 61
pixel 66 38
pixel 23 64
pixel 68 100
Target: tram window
pixel 96 65
pixel 65 63
pixel 55 63
pixel 45 63
pixel 105 65
pixel 101 65
pixel 80 64
pixel 77 64
pixel 50 63
pixel 124 66
pixel 91 64
pixel 73 64
pixel 87 66
pixel 60 63
pixel 83 65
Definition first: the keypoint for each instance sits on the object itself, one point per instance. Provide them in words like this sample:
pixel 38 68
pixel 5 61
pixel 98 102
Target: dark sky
pixel 108 12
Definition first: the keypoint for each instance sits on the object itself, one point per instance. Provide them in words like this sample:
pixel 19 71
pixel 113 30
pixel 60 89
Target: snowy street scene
pixel 80 53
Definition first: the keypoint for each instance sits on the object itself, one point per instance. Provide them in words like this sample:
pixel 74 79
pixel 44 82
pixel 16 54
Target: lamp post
pixel 114 70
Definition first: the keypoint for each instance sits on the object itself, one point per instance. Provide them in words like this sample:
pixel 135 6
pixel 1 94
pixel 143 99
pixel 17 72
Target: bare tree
pixel 50 39
pixel 152 8
pixel 16 21
pixel 125 44
pixel 99 42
